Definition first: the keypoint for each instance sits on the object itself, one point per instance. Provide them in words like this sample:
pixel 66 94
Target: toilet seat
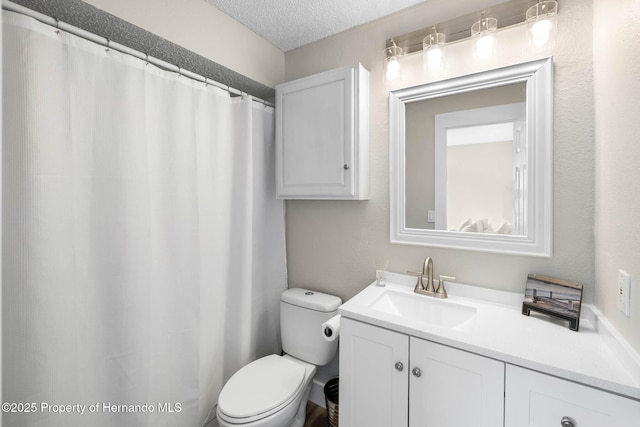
pixel 260 389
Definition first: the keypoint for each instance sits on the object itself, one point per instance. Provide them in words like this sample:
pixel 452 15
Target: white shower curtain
pixel 143 247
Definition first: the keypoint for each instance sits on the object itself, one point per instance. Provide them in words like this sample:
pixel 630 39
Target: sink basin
pixel 424 309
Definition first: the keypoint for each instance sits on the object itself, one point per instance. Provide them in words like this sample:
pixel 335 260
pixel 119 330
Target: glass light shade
pixel 541 24
pixel 433 51
pixel 391 67
pixel 483 34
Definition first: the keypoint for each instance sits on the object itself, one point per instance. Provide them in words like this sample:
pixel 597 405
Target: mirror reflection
pixel 465 161
pixel 470 161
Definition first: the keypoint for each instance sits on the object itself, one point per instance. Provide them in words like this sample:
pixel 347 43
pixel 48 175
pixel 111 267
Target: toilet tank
pixel 302 312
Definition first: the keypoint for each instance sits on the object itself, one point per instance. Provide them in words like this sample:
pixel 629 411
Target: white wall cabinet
pixel 535 399
pixel 322 136
pixel 388 379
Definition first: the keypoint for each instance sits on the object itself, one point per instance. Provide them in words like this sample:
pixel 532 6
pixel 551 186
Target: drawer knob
pixel 567 422
pixel 346 166
pixel 416 372
pixel 399 366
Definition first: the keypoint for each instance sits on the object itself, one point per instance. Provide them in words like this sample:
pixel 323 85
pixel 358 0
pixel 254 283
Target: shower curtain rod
pixel 13 7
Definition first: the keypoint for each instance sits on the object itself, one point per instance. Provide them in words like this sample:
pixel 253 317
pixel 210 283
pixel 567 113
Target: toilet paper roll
pixel 331 328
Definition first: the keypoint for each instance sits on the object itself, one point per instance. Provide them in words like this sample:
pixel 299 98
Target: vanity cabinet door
pixel 453 387
pixel 374 376
pixel 322 136
pixel 535 399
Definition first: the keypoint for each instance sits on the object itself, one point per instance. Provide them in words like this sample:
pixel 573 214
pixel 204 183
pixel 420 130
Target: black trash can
pixel 331 398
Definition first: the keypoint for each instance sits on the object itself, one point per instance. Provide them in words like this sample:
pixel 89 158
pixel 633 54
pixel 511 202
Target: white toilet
pixel 273 391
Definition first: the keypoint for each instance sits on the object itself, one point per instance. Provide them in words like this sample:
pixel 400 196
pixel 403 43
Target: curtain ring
pixel 57 25
pixel 146 61
pixel 107 49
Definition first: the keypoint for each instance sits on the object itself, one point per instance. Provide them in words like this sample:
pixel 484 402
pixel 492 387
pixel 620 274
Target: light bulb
pixel 483 31
pixel 434 58
pixel 484 46
pixel 541 27
pixel 393 69
pixel 540 32
pixel 541 22
pixel 433 55
pixel 391 66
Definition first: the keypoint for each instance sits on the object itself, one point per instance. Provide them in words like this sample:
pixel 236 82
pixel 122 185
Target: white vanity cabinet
pixel 481 363
pixel 322 136
pixel 388 379
pixel 455 388
pixel 374 375
pixel 535 399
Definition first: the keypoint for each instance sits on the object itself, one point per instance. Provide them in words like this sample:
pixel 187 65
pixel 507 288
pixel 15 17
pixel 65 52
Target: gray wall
pixel 617 221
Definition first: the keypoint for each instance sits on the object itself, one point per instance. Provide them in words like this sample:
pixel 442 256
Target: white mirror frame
pixel 537 239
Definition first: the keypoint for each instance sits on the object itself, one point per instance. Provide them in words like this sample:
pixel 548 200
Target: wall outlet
pixel 623 292
pixel 431 216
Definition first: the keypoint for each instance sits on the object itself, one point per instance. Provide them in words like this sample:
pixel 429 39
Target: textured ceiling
pixel 289 24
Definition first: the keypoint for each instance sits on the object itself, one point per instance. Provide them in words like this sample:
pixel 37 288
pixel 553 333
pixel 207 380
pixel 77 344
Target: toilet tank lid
pixel 311 299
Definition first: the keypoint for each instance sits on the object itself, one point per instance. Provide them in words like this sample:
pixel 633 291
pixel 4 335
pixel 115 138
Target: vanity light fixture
pixel 539 16
pixel 391 67
pixel 541 24
pixel 433 50
pixel 483 33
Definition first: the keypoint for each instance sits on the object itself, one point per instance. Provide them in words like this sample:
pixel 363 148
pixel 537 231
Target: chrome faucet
pixel 427 268
pixel 429 289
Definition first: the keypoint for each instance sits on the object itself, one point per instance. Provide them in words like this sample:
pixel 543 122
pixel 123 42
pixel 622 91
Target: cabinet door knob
pixel 567 422
pixel 399 366
pixel 416 372
pixel 346 166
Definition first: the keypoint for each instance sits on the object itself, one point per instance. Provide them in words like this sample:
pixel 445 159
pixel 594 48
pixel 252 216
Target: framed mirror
pixel 471 161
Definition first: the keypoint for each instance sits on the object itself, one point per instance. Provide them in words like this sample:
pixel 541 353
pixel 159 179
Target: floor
pixel 316 416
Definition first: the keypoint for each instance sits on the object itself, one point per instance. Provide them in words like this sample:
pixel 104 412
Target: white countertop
pixel 596 355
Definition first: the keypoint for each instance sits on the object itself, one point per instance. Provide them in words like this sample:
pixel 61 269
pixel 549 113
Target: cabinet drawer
pixel 538 400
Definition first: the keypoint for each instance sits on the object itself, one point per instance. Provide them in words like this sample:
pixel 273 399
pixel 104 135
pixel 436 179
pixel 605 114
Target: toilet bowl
pixel 273 391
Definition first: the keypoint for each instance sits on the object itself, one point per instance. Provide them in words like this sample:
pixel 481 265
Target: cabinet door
pixel 538 400
pixel 454 388
pixel 322 136
pixel 373 388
